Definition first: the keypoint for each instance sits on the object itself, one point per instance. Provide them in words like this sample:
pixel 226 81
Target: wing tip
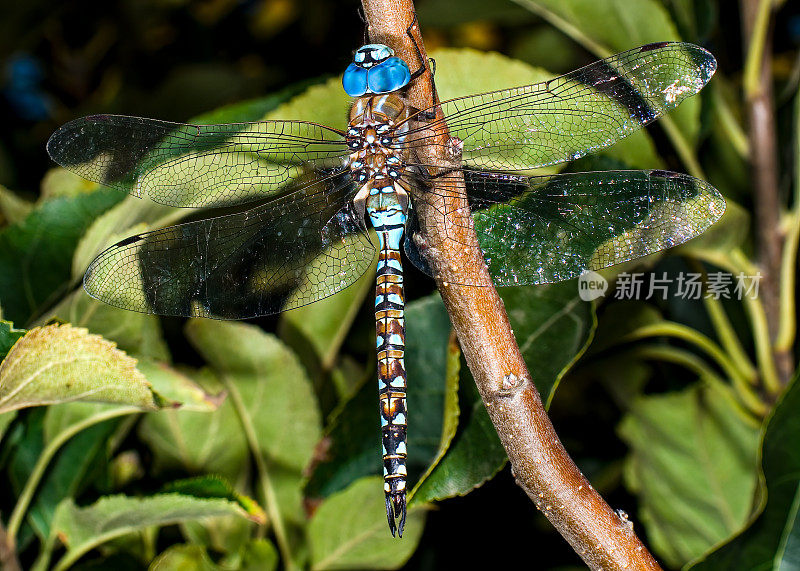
pixel 72 143
pixel 703 59
pixel 716 201
pixel 57 142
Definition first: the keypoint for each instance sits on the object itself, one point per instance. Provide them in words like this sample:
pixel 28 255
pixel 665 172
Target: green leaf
pixel 60 363
pixel 61 183
pixel 618 24
pixel 252 109
pixel 457 72
pixel 168 382
pixel 59 452
pixel 693 466
pixel 772 540
pixel 13 208
pixel 273 385
pixel 474 456
pixel 179 387
pixel 354 433
pixel 25 445
pixel 197 441
pixel 451 412
pixel 546 46
pixel 695 18
pixel 60 418
pixel 216 487
pixel 6 419
pixel 35 254
pixel 348 531
pixel 553 327
pixel 324 103
pixel 77 465
pixel 432 382
pixel 274 404
pixel 8 336
pixel 353 442
pixel 79 448
pixel 183 557
pixel 257 555
pixel 81 529
pixel 135 333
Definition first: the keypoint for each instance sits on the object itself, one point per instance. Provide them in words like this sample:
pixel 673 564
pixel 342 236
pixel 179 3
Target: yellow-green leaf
pixel 349 530
pixel 13 209
pixel 61 363
pixel 275 390
pixel 138 334
pixel 81 529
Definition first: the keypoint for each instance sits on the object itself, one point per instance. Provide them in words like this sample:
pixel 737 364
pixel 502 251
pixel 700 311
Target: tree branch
pixel 539 461
pixel 757 16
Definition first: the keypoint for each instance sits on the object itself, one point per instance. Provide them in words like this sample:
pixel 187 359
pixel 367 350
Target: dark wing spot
pixel 130 240
pixel 664 174
pixel 654 46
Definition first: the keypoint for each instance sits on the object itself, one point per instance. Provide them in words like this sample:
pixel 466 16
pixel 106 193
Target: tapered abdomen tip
pixel 396 508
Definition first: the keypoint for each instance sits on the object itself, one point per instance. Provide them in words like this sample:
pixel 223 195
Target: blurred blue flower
pixel 22 79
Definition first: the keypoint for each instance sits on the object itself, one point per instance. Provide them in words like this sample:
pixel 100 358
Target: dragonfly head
pixel 375 70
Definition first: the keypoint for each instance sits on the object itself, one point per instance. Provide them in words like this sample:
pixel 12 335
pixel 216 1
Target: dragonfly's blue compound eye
pixel 375 70
pixel 388 76
pixel 354 80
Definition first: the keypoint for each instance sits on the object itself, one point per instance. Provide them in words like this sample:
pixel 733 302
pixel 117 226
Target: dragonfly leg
pixel 429 115
pixel 421 69
pixel 363 17
pixel 360 201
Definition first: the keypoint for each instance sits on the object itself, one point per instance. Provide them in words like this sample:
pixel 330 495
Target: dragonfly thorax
pixel 375 138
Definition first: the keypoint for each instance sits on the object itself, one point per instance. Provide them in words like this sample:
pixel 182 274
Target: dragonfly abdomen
pixel 388 215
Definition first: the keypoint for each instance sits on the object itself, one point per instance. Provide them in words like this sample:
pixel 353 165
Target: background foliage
pixel 253 445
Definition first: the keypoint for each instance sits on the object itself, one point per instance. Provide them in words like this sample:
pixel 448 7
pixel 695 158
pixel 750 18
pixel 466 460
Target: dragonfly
pixel 300 194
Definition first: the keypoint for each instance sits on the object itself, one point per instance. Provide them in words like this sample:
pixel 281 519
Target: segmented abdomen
pixel 390 324
pixel 388 219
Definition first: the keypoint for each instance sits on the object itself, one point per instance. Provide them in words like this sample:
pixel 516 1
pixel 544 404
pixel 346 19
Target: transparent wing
pixel 194 165
pixel 544 229
pixel 575 114
pixel 284 254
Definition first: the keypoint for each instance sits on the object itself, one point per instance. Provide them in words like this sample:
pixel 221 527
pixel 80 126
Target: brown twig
pixel 764 160
pixel 8 554
pixel 539 461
